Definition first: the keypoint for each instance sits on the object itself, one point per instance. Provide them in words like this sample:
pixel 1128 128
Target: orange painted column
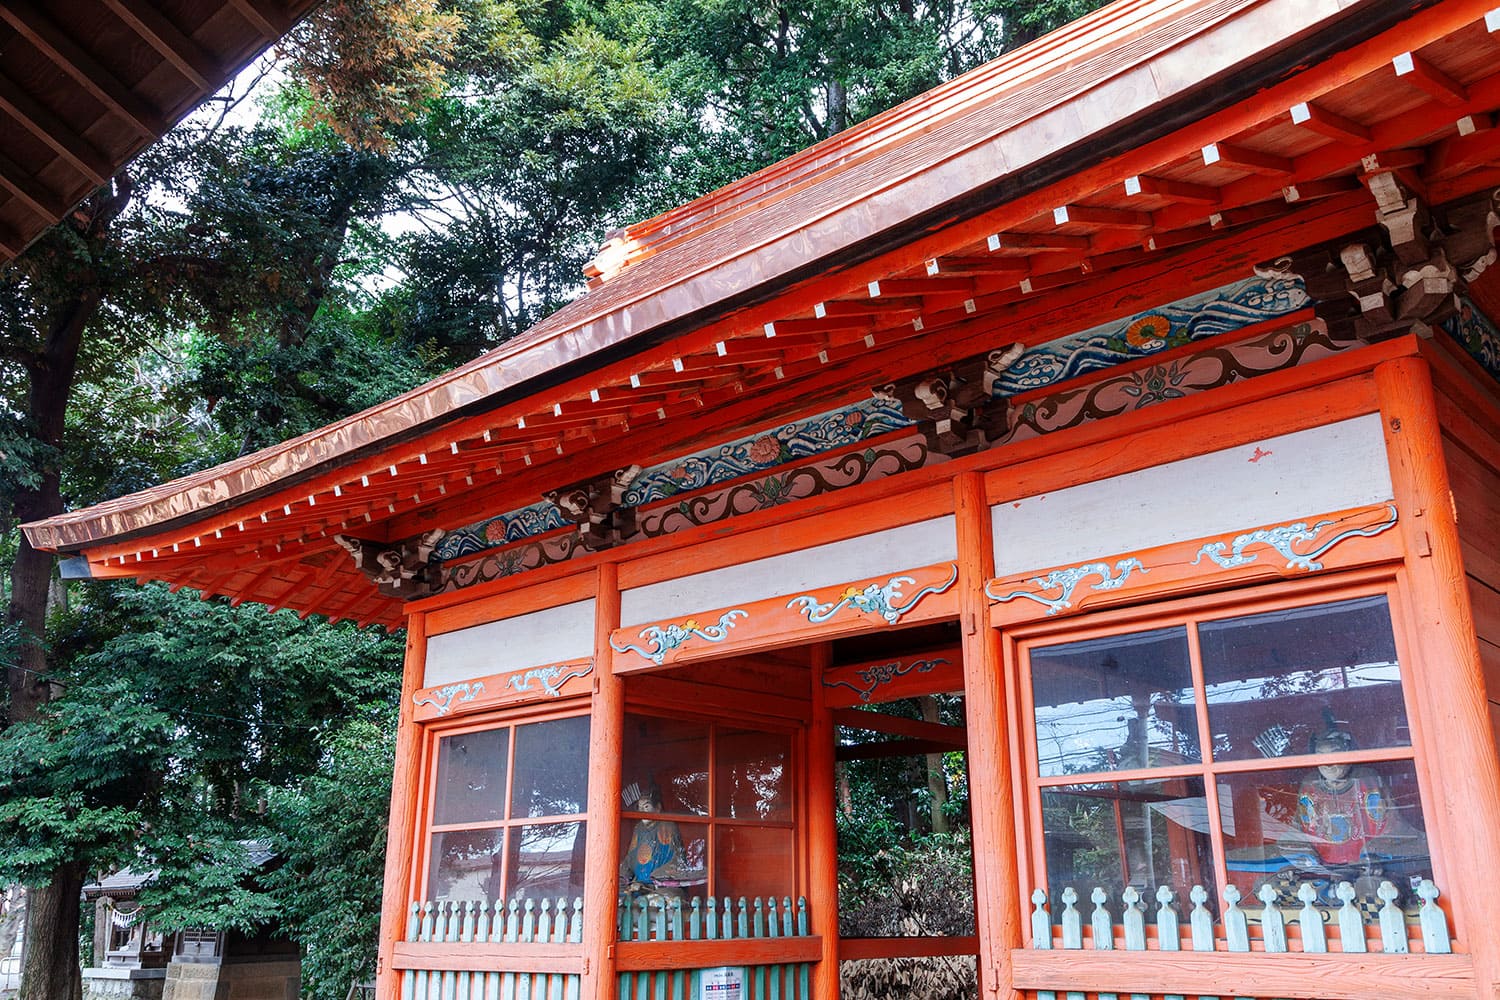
pixel 606 748
pixel 822 830
pixel 997 907
pixel 1447 675
pixel 400 835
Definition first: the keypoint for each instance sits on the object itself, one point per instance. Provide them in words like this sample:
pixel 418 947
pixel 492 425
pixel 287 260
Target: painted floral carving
pixel 1477 335
pixel 1149 333
pixel 1066 581
pixel 551 677
pixel 1155 384
pixel 1284 540
pixel 880 674
pixel 664 638
pixel 886 600
pixel 443 698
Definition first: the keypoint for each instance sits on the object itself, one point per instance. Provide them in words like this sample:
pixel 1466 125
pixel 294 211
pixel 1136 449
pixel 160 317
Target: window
pixel 707 810
pixel 1261 748
pixel 507 812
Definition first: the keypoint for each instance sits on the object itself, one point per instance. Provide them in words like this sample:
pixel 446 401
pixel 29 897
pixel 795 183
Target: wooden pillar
pixel 822 830
pixel 1446 673
pixel 403 817
pixel 997 905
pixel 606 748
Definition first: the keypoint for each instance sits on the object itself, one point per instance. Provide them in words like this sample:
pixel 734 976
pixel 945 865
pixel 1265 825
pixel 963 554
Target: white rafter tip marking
pixel 720 349
pixel 175 548
pixel 557 409
pixel 521 423
pixel 1215 219
pixel 677 364
pixel 993 242
pixel 1025 286
pixel 338 491
pixel 1492 20
pixel 1211 154
pixel 153 552
pixel 559 449
pixel 769 329
pixel 1301 113
pixel 286 509
pixel 368 519
pixel 1290 193
pixel 218 533
pixel 486 437
pixel 777 372
pixel 391 507
pixel 661 413
pixel 263 518
pixel 442 489
pixel 197 543
pixel 1467 125
pixel 1132 186
pixel 422 458
pixel 312 501
pixel 1404 64
pixel 469 480
pixel 453 447
pixel 969 306
pixel 874 289
pixel 242 525
pixel 822 357
pixel 526 459
pixel 821 310
pixel 869 340
pixel 393 470
pixel 932 267
pixel 1060 215
pixel 137 557
pixel 918 325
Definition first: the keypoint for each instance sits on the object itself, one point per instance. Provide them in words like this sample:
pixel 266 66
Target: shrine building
pixel 1140 387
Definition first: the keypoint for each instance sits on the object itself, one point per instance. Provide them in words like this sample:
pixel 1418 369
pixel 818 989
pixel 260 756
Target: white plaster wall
pixel 906 547
pixel 1275 480
pixel 565 632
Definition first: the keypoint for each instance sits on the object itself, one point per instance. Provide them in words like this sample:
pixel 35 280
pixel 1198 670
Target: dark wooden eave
pixel 85 85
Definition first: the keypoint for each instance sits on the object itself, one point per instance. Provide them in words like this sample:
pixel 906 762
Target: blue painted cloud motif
pixel 1477 335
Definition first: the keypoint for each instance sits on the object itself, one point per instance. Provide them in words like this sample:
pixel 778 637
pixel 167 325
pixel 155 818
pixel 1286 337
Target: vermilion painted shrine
pixel 1139 386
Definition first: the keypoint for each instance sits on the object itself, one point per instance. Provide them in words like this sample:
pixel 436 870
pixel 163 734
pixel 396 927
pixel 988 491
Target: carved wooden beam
pixel 403 569
pixel 597 506
pixel 954 407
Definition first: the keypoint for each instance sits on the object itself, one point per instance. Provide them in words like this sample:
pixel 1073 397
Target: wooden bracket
pixel 954 407
pixel 597 506
pixel 402 569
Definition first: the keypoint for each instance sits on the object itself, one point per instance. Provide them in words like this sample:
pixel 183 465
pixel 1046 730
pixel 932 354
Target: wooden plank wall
pixel 1474 471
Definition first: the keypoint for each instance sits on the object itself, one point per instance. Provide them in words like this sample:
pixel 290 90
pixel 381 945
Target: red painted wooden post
pixel 606 747
pixel 823 866
pixel 997 906
pixel 403 815
pixel 1463 772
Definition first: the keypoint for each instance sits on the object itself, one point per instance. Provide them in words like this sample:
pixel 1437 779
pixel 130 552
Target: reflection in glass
pixel 546 861
pixel 753 861
pixel 753 779
pixel 465 864
pixel 1325 825
pixel 1276 681
pixel 552 768
pixel 471 777
pixel 1144 834
pixel 1113 704
pixel 666 762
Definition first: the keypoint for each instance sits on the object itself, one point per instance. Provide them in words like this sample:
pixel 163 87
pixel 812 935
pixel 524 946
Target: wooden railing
pixel 1254 951
pixel 667 947
pixel 478 951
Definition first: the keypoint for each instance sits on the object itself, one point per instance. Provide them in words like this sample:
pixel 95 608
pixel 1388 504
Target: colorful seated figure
pixel 1342 810
pixel 653 859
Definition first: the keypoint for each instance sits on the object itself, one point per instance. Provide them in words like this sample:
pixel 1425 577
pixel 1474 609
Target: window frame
pixel 432 735
pixel 1189 611
pixel 795 797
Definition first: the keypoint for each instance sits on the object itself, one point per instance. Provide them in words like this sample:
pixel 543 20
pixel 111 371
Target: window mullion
pixel 1206 755
pixel 510 783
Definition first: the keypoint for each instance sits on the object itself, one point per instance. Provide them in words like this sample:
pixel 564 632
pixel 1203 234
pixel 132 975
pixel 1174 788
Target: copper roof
pixel 1031 151
pixel 85 85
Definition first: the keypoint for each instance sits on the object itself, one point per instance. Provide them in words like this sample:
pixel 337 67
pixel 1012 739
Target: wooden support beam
pixel 793 327
pixel 891 748
pixel 1325 188
pixel 58 46
pixel 53 131
pixel 1328 124
pixel 1250 213
pixel 177 48
pixel 25 187
pixel 1196 194
pixel 1463 152
pixel 1241 158
pixel 1426 77
pixel 1042 242
pixel 921 286
pixel 1016 266
pixel 1179 237
pixel 1110 218
pixel 893 725
pixel 268 19
pixel 864 307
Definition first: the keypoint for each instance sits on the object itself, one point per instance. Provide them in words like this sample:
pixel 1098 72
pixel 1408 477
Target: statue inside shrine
pixel 653 860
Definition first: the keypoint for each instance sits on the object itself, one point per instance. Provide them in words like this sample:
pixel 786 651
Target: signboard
pixel 724 983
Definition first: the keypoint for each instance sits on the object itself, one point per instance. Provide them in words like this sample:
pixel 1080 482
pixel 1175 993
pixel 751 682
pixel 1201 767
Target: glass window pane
pixel 1113 704
pixel 754 775
pixel 666 763
pixel 1144 834
pixel 1325 825
pixel 465 864
pixel 1280 682
pixel 471 777
pixel 662 856
pixel 753 861
pixel 546 861
pixel 552 768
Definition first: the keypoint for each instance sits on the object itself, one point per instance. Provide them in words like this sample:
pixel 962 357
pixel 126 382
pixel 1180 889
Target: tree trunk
pixel 52 968
pixel 937 776
pixel 838 107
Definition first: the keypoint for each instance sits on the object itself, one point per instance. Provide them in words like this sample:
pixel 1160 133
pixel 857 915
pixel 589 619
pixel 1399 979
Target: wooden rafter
pixel 166 38
pixel 50 129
